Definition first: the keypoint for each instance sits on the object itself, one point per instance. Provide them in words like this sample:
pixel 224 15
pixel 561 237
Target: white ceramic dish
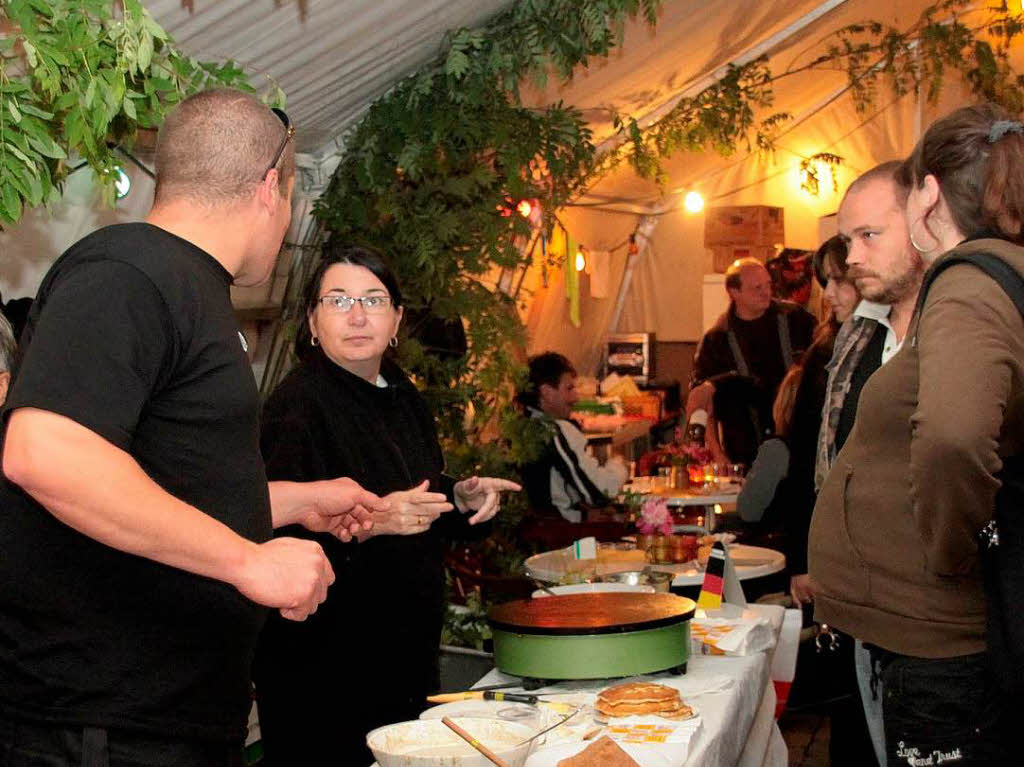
pixel 429 743
pixel 594 588
pixel 645 756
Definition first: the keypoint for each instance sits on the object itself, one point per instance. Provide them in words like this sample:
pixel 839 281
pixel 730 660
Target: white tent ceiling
pixel 335 57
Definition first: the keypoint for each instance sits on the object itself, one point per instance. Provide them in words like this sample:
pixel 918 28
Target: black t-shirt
pixel 133 336
pixel 759 342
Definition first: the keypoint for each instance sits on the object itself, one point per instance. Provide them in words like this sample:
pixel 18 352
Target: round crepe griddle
pixel 600 613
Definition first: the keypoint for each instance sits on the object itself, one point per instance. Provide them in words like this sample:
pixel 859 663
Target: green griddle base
pixel 592 656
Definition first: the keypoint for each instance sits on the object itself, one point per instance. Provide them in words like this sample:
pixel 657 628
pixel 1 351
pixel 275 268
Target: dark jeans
pixel 36 745
pixel 941 711
pixel 826 681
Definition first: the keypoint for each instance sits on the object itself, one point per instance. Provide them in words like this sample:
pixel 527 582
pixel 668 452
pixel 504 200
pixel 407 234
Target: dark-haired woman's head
pixel 830 269
pixel 966 176
pixel 830 258
pixel 353 309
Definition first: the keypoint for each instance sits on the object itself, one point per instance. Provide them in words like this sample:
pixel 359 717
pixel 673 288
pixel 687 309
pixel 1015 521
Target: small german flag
pixel 714 577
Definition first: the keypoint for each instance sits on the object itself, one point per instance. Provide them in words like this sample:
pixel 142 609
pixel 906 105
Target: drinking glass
pixel 710 474
pixel 580 570
pixel 663 479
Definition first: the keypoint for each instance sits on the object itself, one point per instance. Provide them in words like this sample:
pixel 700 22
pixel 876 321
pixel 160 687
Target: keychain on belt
pixel 826 639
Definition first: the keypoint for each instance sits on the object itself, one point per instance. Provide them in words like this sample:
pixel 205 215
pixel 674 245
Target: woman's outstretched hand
pixel 482 495
pixel 412 511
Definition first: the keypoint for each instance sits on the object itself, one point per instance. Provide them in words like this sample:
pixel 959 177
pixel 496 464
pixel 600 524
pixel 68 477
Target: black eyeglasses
pixel 289 132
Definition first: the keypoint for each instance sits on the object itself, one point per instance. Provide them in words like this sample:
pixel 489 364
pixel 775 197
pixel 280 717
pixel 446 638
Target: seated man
pixel 565 477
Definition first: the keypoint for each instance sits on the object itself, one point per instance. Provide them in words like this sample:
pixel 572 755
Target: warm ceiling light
pixel 825 180
pixel 581 261
pixel 818 175
pixel 693 202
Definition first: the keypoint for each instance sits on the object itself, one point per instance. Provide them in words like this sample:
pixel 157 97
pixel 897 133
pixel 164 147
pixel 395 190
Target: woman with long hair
pixel 894 550
pixel 369 656
pixel 842 297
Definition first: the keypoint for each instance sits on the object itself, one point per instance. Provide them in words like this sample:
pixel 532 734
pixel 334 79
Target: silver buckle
pixel 990 534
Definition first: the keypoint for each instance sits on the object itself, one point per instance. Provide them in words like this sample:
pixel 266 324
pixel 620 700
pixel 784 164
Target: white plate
pixel 594 588
pixel 645 756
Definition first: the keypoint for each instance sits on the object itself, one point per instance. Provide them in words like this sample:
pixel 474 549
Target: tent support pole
pixel 643 237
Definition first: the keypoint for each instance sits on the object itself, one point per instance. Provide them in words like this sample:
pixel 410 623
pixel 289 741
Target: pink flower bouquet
pixel 655 518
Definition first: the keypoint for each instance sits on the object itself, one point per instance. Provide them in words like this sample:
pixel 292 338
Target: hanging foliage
pixel 77 78
pixel 920 58
pixel 720 118
pixel 951 38
pixel 433 175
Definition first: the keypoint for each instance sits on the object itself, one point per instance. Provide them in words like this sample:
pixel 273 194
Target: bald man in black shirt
pixel 138 563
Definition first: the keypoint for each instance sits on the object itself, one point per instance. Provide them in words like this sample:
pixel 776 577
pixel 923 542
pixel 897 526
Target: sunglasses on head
pixel 289 132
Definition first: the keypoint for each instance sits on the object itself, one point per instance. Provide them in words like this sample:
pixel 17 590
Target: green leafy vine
pixel 431 176
pixel 951 38
pixel 77 79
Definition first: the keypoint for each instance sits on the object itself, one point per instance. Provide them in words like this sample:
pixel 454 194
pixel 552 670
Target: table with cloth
pixel 750 561
pixel 733 696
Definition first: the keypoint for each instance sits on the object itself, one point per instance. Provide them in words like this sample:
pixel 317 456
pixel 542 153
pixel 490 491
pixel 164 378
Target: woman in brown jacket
pixel 893 545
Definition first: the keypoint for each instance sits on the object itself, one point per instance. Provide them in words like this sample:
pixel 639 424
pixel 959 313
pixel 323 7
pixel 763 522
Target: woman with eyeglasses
pixel 369 656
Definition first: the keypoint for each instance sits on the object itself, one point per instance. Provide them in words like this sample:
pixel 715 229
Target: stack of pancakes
pixel 642 698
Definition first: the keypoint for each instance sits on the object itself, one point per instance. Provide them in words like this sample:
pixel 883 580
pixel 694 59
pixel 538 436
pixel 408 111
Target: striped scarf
pixel 853 338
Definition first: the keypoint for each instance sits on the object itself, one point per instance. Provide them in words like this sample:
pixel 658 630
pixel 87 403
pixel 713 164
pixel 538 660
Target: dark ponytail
pixel 977 155
pixel 1003 205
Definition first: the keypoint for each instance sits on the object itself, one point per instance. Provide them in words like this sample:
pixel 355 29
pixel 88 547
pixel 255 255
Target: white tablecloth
pixel 738 718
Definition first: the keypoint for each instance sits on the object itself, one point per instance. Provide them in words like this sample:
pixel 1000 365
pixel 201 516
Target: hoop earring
pixel 913 242
pixel 393 343
pixel 314 341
